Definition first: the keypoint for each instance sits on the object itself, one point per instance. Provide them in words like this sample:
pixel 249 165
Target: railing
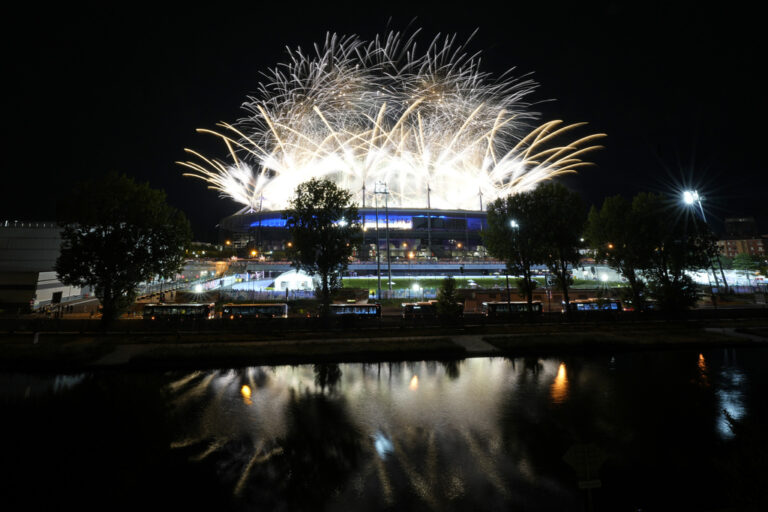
pixel 27 224
pixel 389 319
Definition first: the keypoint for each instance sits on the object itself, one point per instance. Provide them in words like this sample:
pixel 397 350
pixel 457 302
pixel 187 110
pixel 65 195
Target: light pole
pixel 515 226
pixel 691 198
pixel 381 188
pixel 378 258
pixel 410 274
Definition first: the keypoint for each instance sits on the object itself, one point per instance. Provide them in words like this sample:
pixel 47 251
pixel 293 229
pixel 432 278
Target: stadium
pixel 423 139
pixel 410 233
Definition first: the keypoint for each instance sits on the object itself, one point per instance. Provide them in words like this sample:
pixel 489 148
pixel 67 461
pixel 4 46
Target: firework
pixel 432 126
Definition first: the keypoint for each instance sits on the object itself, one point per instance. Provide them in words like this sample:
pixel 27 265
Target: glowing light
pixel 198 288
pixel 604 277
pixel 414 385
pixel 559 391
pixel 382 444
pixel 690 196
pixel 430 124
pixel 513 224
pixel 246 392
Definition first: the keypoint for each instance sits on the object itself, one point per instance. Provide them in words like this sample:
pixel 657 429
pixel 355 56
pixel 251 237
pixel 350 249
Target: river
pixel 668 430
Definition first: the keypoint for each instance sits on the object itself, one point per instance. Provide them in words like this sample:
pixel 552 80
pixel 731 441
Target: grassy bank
pixel 168 350
pixel 51 353
pixel 613 340
pixel 250 354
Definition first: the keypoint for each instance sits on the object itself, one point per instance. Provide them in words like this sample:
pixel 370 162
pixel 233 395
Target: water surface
pixel 649 430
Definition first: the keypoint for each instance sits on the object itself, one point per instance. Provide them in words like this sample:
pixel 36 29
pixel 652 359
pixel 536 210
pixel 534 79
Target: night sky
pixel 677 90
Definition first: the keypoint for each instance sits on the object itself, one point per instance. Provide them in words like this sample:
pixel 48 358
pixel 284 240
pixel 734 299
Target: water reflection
pixel 480 434
pixel 559 390
pixel 442 443
pixel 703 371
pixel 730 392
pixel 246 392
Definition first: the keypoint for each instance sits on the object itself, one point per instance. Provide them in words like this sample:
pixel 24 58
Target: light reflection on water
pixel 559 391
pixel 433 428
pixel 730 393
pixel 480 434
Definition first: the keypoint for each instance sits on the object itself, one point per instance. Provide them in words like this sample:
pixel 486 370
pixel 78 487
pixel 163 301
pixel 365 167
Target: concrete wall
pixel 28 253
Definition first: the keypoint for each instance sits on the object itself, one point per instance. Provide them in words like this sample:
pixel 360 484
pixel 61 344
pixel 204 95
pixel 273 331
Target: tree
pixel 617 236
pixel 563 213
pixel 746 263
pixel 448 302
pixel 323 224
pixel 678 245
pixel 117 234
pixel 514 225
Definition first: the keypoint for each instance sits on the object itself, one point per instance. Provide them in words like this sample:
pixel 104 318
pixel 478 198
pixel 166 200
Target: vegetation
pixel 543 226
pixel 652 247
pixel 323 223
pixel 563 214
pixel 514 225
pixel 676 247
pixel 617 236
pixel 449 306
pixel 117 234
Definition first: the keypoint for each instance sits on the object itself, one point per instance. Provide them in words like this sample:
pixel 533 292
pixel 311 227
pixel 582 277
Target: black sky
pixel 678 89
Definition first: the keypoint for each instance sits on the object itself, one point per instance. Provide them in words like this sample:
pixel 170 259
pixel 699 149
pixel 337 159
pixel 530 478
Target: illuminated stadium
pixel 442 138
pixel 412 232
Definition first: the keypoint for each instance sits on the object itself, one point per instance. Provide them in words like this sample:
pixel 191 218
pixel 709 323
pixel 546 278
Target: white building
pixel 28 252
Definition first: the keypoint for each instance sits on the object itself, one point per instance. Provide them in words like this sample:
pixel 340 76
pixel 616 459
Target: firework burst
pixel 432 126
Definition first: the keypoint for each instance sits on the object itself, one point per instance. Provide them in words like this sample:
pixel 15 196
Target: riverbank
pixel 76 352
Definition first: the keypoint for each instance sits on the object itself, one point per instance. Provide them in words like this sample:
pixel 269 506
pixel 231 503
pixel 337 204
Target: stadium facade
pixel 412 233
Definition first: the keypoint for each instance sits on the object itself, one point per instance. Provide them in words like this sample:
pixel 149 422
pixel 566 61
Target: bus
pixel 356 310
pixel 179 311
pixel 613 305
pixel 503 309
pixel 419 309
pixel 240 311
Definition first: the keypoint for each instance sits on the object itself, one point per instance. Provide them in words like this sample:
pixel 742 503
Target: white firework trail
pixel 430 125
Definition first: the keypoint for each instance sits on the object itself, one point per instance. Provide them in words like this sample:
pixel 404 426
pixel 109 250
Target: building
pixel 28 253
pixel 752 246
pixel 741 237
pixel 412 233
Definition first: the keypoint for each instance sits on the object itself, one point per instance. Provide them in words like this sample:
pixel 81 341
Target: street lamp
pixel 381 188
pixel 691 198
pixel 410 258
pixel 515 226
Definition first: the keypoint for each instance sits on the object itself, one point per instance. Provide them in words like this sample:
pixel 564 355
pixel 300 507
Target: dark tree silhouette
pixel 323 223
pixel 118 233
pixel 563 213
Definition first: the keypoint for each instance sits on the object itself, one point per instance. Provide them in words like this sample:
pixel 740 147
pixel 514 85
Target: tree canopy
pixel 323 223
pixel 563 215
pixel 514 225
pixel 117 234
pixel 652 245
pixel 617 235
pixel 449 306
